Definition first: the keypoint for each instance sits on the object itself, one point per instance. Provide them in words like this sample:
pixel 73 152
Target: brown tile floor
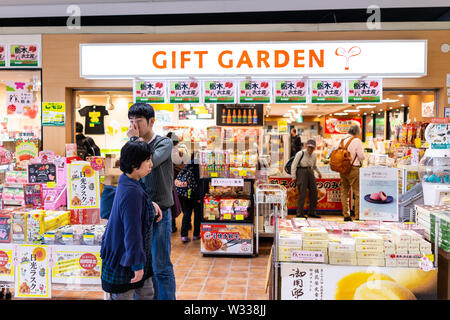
pixel 203 278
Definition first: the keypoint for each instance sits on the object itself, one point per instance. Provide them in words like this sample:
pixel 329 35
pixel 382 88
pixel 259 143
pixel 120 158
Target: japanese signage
pixel 195 112
pixel 184 91
pixel 428 109
pixel 5 228
pixel 255 91
pixel 219 91
pixel 340 125
pixel 227 182
pixel 365 91
pixel 328 193
pixel 33 195
pixel 149 91
pixel 24 55
pixel 6 263
pixel 437 133
pixel 27 149
pixel 32 276
pixel 378 189
pixel 327 91
pixel 282 126
pixel 83 188
pixel 41 173
pixel 77 264
pixel 221 238
pixel 291 91
pixel 53 113
pixel 333 282
pixel 2 55
pixel 19 97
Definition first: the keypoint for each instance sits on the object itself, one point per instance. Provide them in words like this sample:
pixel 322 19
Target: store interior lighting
pixel 390 100
pixel 365 107
pixel 341 114
pixel 351 110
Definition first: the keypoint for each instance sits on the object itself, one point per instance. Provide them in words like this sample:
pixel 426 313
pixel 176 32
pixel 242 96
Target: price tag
pixel 239 217
pixel 227 182
pixel 212 217
pixel 227 216
pixel 51 184
pixel 214 174
pixel 418 143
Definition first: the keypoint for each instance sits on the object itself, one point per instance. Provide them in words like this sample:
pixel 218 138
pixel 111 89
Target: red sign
pixel 88 261
pixel 3 258
pixel 328 193
pixel 340 125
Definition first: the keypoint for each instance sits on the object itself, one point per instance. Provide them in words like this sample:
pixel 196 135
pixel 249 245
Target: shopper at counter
pixel 296 142
pixel 302 171
pixel 86 146
pixel 159 185
pixel 351 180
pixel 126 244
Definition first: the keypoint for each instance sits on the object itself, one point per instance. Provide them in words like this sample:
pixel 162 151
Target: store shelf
pixel 263 234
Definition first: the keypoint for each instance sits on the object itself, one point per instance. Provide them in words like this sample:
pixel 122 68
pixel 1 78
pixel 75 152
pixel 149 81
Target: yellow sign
pixel 227 216
pixel 51 184
pixel 282 126
pixel 53 113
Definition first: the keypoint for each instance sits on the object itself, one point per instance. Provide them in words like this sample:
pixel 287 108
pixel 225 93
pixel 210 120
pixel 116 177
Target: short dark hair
pixel 141 109
pixel 354 130
pixel 293 129
pixel 133 154
pixel 78 127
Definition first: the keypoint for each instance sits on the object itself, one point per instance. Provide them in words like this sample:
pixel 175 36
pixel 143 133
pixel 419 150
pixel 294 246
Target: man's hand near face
pixel 133 130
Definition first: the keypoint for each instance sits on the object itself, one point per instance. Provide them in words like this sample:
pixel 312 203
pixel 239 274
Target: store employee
pixel 302 171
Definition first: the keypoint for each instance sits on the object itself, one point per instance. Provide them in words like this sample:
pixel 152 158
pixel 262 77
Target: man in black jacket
pixel 86 146
pixel 296 142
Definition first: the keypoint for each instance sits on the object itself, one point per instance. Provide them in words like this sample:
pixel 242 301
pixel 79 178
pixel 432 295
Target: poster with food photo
pixel 6 266
pixel 83 188
pixel 222 238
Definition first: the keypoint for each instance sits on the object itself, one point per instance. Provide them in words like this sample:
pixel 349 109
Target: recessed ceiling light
pixel 390 108
pixel 341 113
pixel 373 111
pixel 300 107
pixel 365 113
pixel 351 110
pixel 390 100
pixel 365 107
pixel 381 109
pixel 403 105
pixel 400 95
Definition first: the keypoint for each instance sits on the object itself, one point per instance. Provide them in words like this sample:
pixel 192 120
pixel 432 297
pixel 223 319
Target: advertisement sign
pixel 5 228
pixel 195 112
pixel 149 91
pixel 24 55
pixel 184 91
pixel 365 91
pixel 428 109
pixel 327 91
pixel 53 113
pixel 41 173
pixel 255 91
pixel 333 282
pixel 291 91
pixel 19 97
pixel 83 188
pixel 222 238
pixel 32 276
pixel 77 264
pixel 328 193
pixel 219 91
pixel 437 133
pixel 282 126
pixel 6 264
pixel 378 193
pixel 340 125
pixel 26 149
pixel 2 55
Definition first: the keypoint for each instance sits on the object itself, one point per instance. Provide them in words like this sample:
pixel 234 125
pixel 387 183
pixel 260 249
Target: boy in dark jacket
pixel 126 244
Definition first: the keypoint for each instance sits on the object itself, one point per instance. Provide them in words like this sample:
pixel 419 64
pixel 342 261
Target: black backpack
pixel 287 167
pixel 86 147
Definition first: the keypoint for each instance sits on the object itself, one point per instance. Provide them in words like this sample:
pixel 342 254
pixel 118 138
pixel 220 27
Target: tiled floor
pixel 203 278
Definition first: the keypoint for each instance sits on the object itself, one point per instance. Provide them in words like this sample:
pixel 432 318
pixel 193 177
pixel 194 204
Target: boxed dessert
pixel 56 219
pixel 19 226
pixel 342 254
pixel 367 248
pixel 367 238
pixel 314 233
pixel 315 243
pixel 339 261
pixel 370 255
pixel 342 244
pixel 400 236
pixel 35 225
pixel 290 239
pixel 379 262
pixel 390 262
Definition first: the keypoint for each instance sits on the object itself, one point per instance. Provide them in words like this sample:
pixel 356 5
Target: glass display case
pixel 434 172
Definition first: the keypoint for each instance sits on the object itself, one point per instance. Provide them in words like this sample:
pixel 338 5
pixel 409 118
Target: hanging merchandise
pixel 149 91
pixel 255 91
pixel 291 91
pixel 19 97
pixel 240 115
pixel 95 119
pixel 184 91
pixel 327 91
pixel 219 91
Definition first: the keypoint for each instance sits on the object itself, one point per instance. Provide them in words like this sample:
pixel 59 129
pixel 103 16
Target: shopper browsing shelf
pixel 86 146
pixel 126 244
pixel 296 142
pixel 187 186
pixel 159 185
pixel 180 157
pixel 351 179
pixel 302 171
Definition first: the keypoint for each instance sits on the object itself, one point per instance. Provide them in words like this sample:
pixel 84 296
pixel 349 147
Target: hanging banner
pixel 149 91
pixel 327 91
pixel 83 190
pixel 6 265
pixel 219 91
pixel 32 276
pixel 77 264
pixel 428 109
pixel 307 281
pixel 378 190
pixel 340 125
pixel 365 91
pixel 2 55
pixel 291 91
pixel 195 112
pixel 184 91
pixel 53 113
pixel 255 91
pixel 24 55
pixel 19 97
pixel 26 149
pixel 282 126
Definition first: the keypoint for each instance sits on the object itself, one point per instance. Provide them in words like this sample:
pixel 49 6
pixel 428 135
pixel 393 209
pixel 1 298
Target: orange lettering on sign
pixel 164 65
pixel 200 57
pixel 263 55
pixel 312 54
pixel 174 56
pixel 183 58
pixel 230 62
pixel 245 59
pixel 297 57
pixel 277 58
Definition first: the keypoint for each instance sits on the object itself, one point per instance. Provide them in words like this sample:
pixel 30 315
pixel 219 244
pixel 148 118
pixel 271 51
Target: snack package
pixel 5 228
pixel 211 207
pixel 19 226
pixel 56 219
pixel 35 226
pixel 241 206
